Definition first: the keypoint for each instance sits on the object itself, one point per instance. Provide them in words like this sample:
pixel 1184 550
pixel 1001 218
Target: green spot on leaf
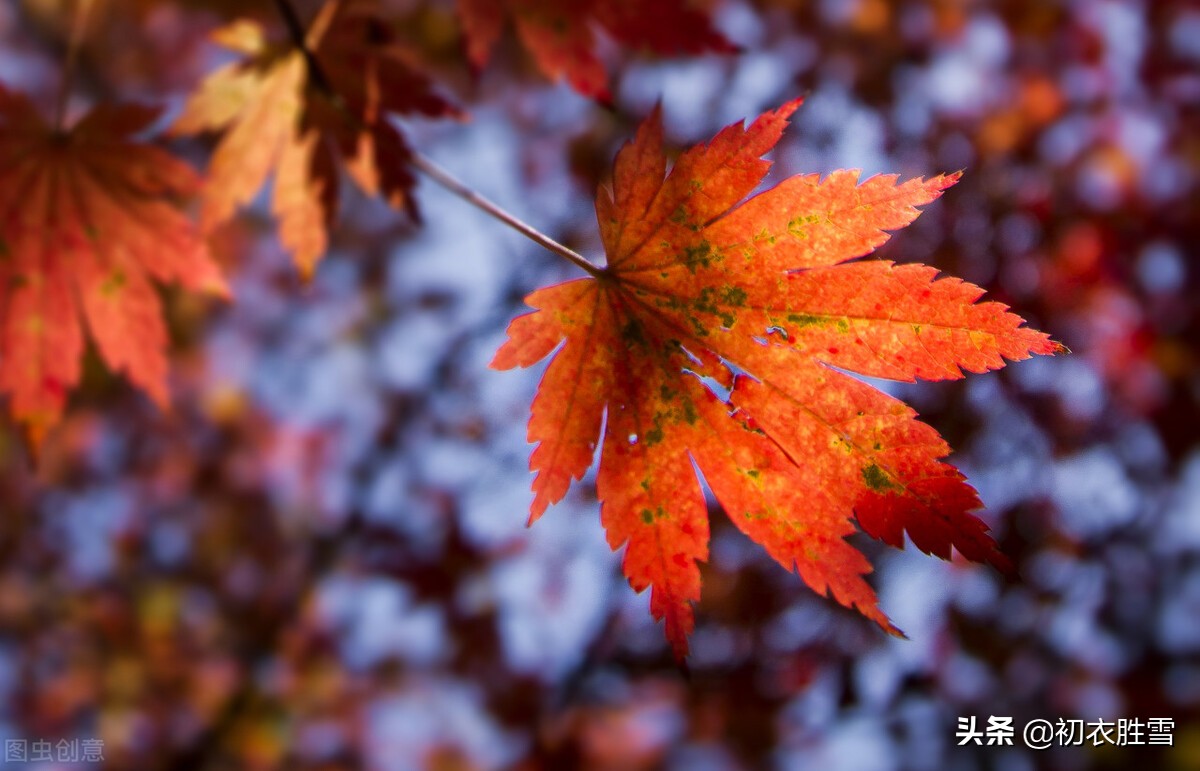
pixel 113 285
pixel 805 320
pixel 733 295
pixel 877 480
pixel 700 254
pixel 798 226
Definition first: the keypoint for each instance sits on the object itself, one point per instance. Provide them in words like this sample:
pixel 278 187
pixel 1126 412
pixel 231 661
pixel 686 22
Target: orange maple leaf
pixel 559 33
pixel 88 218
pixel 277 114
pixel 712 342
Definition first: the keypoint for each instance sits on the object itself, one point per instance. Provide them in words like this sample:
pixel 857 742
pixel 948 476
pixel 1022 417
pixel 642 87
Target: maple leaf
pixel 713 342
pixel 88 220
pixel 559 33
pixel 278 114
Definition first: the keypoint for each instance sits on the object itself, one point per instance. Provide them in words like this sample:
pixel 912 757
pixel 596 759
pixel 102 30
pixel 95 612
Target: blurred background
pixel 318 558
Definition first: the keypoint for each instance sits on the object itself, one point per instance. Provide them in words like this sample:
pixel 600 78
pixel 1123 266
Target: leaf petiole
pixel 448 181
pixel 78 26
pixel 425 165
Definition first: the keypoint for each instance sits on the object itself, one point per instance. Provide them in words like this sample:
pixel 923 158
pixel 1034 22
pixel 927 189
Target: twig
pixel 423 164
pixel 448 181
pixel 78 26
pixel 300 40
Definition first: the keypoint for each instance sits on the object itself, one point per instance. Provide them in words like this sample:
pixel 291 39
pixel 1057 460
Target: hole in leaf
pixel 716 387
pixel 691 356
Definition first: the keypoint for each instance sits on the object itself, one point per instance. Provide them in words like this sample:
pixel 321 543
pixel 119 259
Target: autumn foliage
pixel 715 336
pixel 560 33
pixel 264 504
pixel 715 345
pixel 90 218
pixel 280 116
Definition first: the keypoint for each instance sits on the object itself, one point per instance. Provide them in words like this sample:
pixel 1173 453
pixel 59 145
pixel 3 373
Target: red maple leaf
pixel 560 33
pixel 712 342
pixel 277 114
pixel 89 218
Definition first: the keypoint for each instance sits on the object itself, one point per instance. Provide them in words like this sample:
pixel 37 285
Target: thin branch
pixel 448 181
pixel 292 19
pixel 300 40
pixel 420 162
pixel 78 26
